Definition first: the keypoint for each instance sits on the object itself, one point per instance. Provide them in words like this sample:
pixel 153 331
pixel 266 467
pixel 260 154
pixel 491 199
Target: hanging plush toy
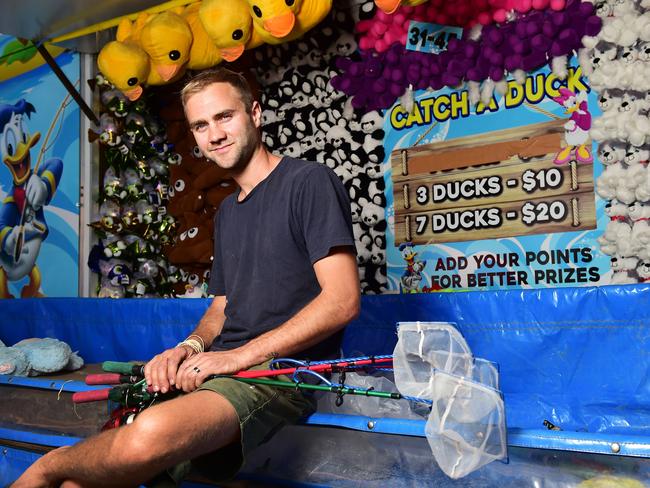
pixel 229 25
pixel 278 21
pixel 167 38
pixel 203 53
pixel 194 242
pixel 125 64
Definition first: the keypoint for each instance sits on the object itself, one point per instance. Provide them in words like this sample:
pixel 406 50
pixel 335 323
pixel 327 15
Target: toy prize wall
pixel 484 145
pixel 303 117
pixel 499 137
pixel 39 180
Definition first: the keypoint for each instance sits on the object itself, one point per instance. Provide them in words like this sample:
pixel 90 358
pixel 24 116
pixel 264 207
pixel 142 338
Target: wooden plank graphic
pixel 499 184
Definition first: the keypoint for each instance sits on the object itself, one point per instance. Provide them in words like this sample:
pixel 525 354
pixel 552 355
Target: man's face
pixel 223 130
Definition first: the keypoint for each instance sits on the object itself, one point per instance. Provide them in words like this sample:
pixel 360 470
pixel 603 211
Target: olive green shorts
pixel 262 411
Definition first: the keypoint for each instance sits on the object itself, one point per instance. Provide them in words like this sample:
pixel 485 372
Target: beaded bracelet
pixel 198 346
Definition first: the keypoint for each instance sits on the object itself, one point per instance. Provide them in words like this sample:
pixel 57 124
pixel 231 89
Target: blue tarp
pixel 575 356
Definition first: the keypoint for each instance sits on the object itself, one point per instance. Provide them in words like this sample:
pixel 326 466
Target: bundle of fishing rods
pixel 126 384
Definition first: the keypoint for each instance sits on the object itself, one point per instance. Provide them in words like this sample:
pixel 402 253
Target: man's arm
pixel 161 371
pixel 336 305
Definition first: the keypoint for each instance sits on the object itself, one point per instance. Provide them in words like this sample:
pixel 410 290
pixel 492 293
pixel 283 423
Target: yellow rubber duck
pixel 230 26
pixel 203 53
pixel 276 22
pixel 167 39
pixel 390 6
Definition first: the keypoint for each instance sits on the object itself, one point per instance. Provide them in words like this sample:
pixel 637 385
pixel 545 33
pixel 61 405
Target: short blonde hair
pixel 219 75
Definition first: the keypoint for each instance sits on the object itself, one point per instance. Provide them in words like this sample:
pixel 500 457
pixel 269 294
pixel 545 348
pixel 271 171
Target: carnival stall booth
pixel 495 157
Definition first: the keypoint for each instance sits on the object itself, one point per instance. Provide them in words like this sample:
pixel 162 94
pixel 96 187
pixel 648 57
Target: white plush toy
pixel 639 214
pixel 616 237
pixel 643 271
pixel 609 181
pixel 623 269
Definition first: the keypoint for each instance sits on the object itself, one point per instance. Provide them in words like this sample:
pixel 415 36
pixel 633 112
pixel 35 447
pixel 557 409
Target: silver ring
pixel 196 370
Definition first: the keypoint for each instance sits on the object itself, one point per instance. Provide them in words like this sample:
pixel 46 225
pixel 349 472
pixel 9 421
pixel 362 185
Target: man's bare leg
pixel 161 436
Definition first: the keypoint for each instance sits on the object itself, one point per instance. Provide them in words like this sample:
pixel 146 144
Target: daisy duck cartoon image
pixel 22 221
pixel 576 129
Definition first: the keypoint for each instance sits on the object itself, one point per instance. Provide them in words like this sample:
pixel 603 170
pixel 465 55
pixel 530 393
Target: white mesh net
pixel 425 346
pixel 466 428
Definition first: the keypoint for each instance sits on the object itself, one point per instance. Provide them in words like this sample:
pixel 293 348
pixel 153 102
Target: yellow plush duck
pixel 390 6
pixel 167 39
pixel 230 26
pixel 203 53
pixel 126 66
pixel 278 21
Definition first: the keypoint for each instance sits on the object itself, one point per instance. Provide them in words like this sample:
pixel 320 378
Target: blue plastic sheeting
pixel 13 462
pixel 103 329
pixel 45 383
pixel 35 436
pixel 575 356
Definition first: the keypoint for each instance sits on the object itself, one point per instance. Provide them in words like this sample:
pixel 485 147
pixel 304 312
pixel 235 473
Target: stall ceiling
pixel 40 20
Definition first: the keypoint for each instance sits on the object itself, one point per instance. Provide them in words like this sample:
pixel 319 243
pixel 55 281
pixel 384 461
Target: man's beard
pixel 244 152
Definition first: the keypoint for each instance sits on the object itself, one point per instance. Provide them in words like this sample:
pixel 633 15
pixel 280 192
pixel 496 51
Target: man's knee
pixel 148 436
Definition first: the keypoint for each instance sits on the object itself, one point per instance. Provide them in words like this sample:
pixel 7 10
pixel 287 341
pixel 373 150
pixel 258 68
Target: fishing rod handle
pixel 110 379
pixel 123 368
pixel 91 396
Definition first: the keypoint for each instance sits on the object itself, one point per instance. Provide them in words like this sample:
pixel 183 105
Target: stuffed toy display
pixel 156 49
pixel 34 357
pixel 133 222
pixel 618 63
pixel 383 30
pixel 482 58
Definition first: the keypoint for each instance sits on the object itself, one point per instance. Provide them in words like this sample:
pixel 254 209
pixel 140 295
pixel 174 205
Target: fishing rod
pixel 132 389
pixel 330 366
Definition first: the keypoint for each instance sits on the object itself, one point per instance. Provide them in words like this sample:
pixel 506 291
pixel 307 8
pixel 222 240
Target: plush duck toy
pixel 390 6
pixel 203 53
pixel 125 64
pixel 230 26
pixel 167 39
pixel 276 22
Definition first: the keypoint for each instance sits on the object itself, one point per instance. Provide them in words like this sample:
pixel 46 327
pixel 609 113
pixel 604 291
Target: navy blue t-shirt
pixel 266 245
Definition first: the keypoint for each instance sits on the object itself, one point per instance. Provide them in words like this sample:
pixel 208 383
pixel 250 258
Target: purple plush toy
pixel 526 44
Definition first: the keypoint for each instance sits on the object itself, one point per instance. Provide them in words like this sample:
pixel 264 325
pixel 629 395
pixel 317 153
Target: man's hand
pixel 36 192
pixel 161 371
pixel 195 370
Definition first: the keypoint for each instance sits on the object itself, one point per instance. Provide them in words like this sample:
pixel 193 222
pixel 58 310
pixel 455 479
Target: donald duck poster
pixel 39 175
